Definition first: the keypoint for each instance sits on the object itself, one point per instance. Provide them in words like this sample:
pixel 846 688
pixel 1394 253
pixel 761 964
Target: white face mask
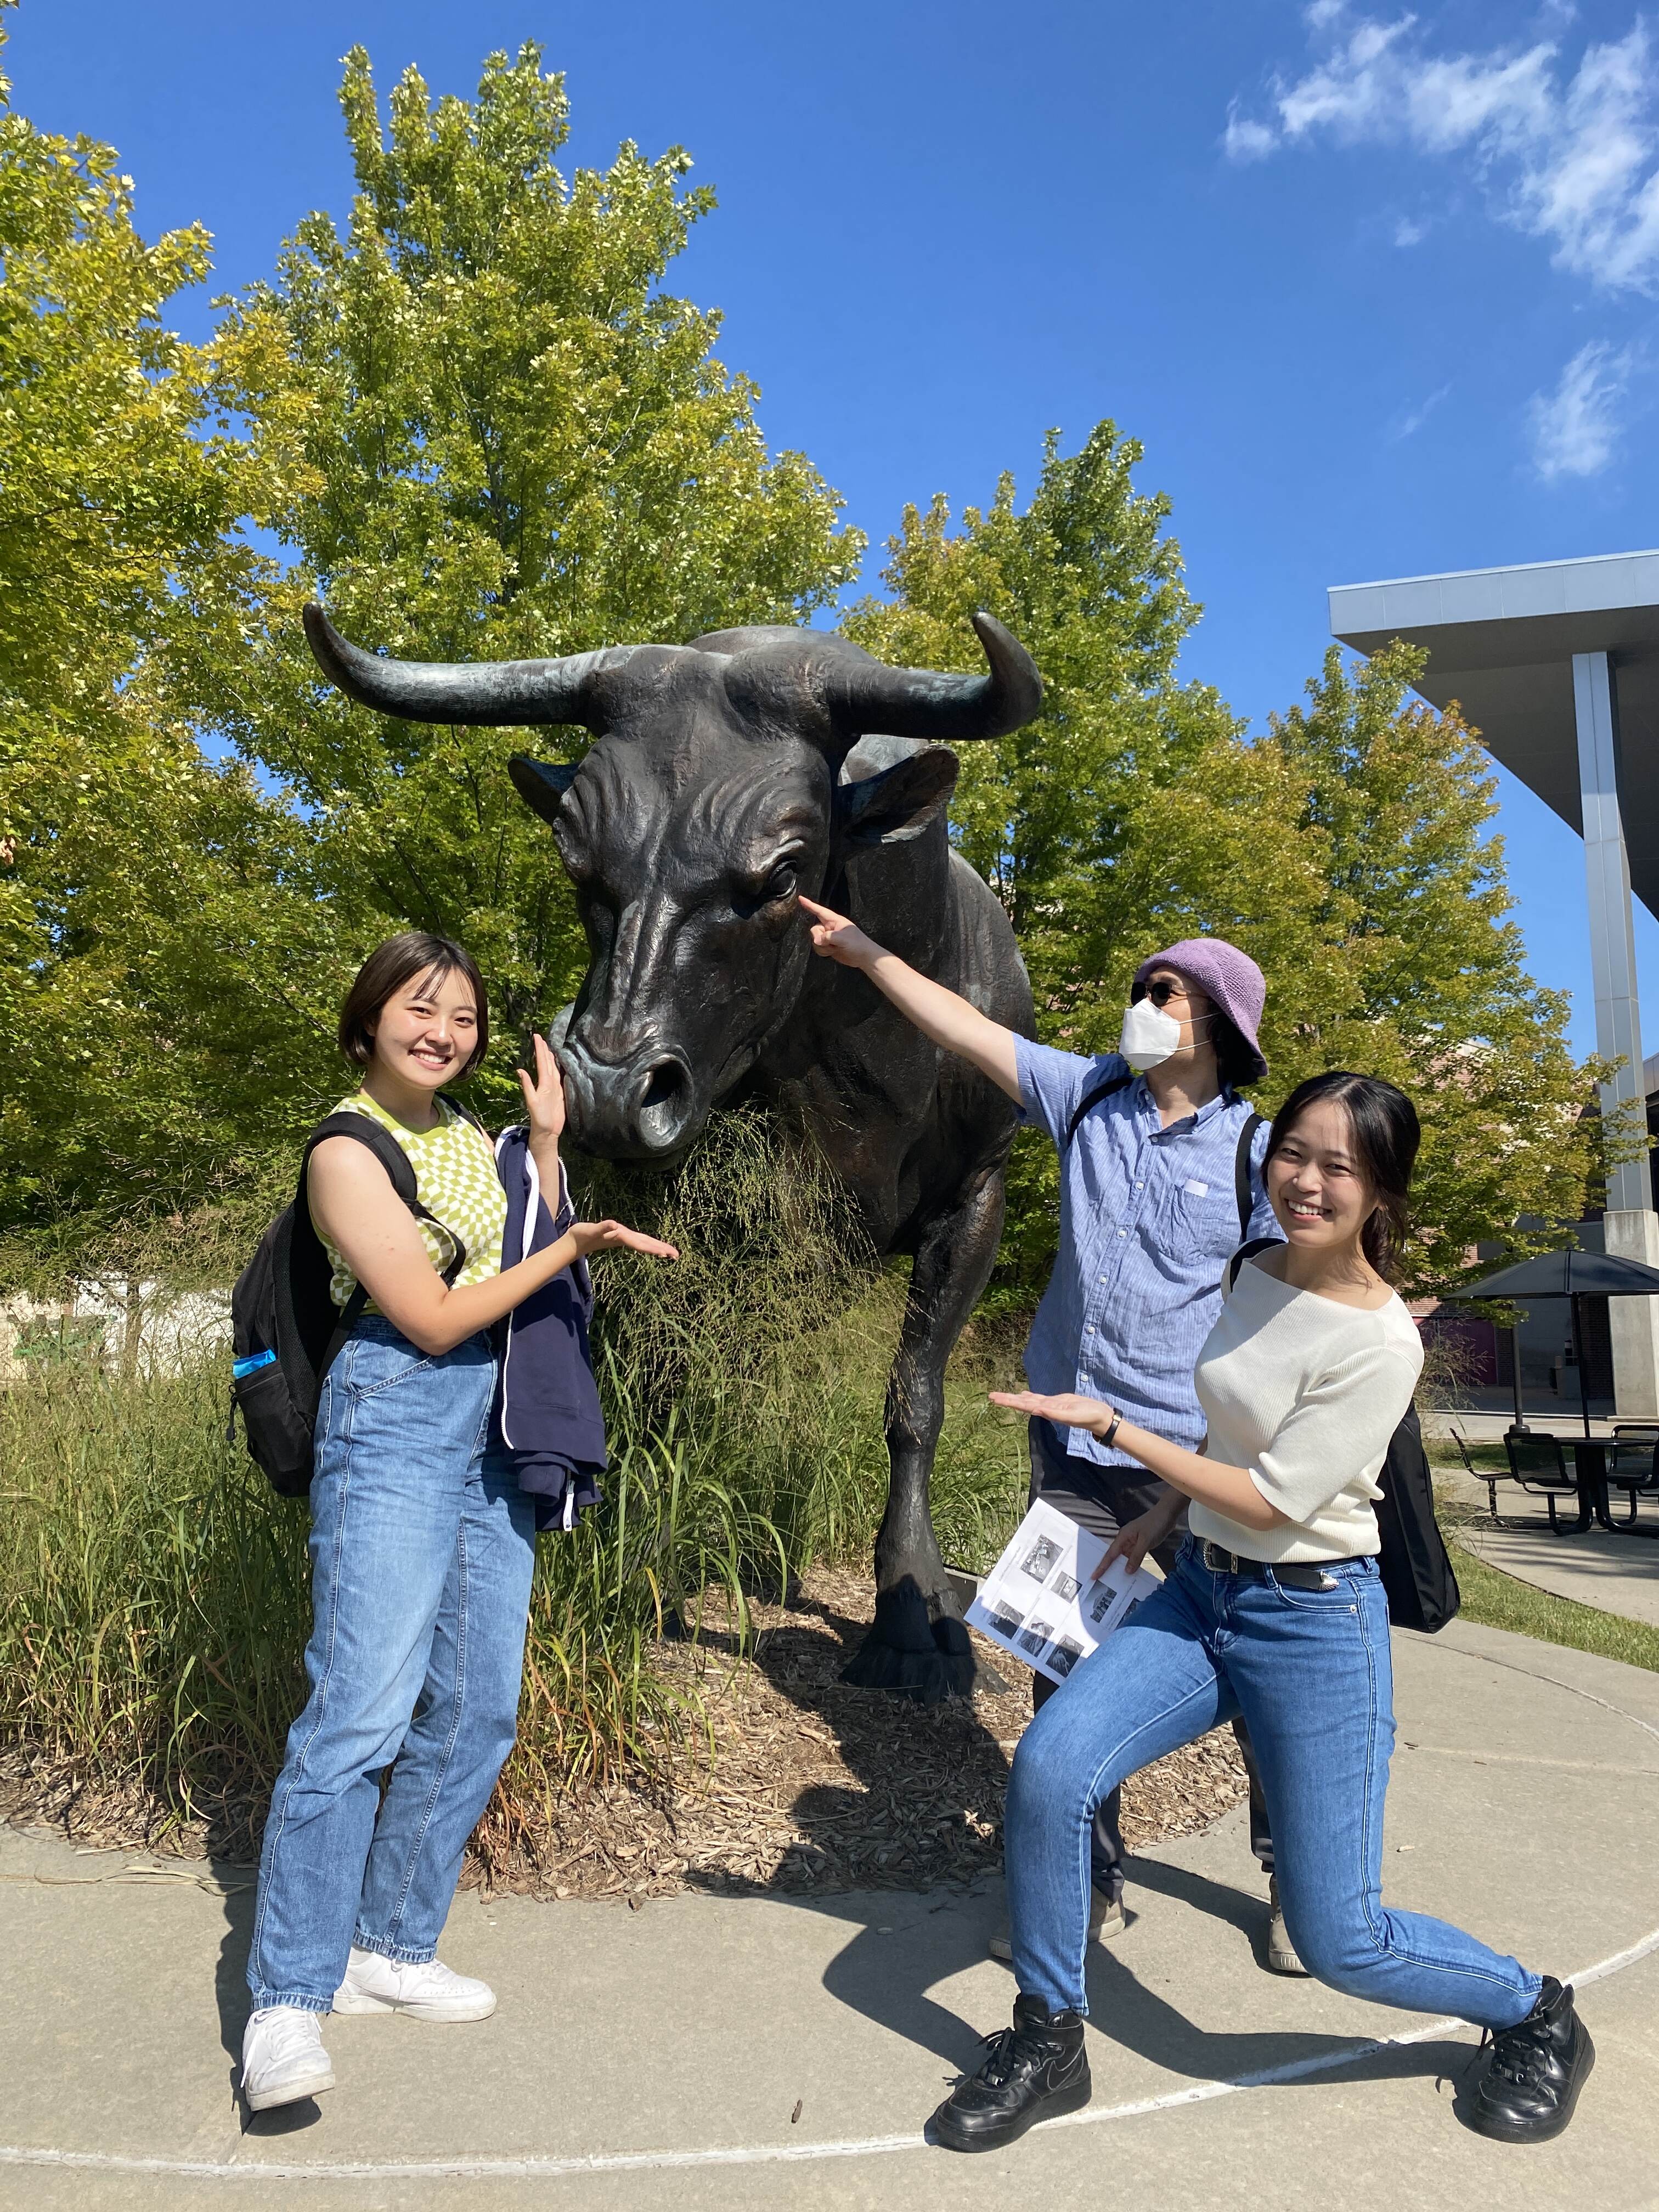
pixel 1149 1035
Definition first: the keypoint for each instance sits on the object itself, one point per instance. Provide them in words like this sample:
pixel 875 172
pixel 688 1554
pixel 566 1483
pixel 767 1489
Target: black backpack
pixel 285 1326
pixel 1415 1567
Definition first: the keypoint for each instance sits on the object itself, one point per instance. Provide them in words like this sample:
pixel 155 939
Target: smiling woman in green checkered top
pixel 455 1174
pixel 422 1542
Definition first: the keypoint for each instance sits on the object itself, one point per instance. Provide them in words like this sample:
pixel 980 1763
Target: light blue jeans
pixel 421 1551
pixel 1309 1670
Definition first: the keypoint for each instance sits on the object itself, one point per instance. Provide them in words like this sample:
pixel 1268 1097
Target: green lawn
pixel 1500 1601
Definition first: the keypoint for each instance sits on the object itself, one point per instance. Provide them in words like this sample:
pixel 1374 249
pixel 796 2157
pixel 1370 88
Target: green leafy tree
pixel 134 877
pixel 1346 850
pixel 1437 997
pixel 490 433
pixel 1131 813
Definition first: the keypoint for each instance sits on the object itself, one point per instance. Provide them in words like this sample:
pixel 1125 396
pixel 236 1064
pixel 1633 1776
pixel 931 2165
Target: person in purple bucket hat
pixel 1160 1181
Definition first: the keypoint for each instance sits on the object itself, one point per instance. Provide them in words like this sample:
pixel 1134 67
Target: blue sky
pixel 1376 290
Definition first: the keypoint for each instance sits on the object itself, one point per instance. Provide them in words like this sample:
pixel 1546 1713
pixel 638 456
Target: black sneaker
pixel 1531 2082
pixel 1034 2070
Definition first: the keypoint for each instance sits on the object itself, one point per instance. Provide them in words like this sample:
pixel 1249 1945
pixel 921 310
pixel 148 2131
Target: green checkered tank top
pixel 455 1178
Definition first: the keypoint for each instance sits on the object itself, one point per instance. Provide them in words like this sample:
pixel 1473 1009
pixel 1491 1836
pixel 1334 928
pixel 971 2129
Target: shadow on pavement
pixel 903 1949
pixel 230 1991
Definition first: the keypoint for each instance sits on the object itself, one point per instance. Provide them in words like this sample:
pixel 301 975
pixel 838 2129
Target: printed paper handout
pixel 1040 1601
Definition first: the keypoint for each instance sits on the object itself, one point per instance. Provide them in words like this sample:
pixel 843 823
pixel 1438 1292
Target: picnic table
pixel 1590 1459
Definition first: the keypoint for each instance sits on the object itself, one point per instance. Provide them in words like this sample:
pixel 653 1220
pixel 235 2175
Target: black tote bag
pixel 1415 1567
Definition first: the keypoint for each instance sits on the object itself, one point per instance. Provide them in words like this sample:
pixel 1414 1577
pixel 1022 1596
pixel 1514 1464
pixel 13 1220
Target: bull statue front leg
pixel 918 1644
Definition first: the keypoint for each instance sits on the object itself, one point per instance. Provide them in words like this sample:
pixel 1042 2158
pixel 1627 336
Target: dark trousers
pixel 1102 1499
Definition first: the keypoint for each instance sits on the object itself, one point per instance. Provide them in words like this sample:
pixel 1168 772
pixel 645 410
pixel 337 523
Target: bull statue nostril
pixel 667 1079
pixel 664 1103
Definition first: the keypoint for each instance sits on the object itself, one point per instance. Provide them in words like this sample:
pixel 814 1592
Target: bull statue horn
pixel 865 696
pixel 515 692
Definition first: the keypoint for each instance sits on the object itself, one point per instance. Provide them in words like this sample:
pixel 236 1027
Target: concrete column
pixel 1631 1227
pixel 1634 1323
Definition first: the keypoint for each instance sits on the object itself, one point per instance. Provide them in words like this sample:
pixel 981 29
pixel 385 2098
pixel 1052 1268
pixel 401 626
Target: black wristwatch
pixel 1117 1422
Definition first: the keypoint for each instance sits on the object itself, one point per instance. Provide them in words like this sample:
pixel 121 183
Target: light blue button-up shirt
pixel 1148 1220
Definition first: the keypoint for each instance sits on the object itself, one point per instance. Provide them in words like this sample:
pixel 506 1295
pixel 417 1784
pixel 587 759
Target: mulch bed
pixel 814 1787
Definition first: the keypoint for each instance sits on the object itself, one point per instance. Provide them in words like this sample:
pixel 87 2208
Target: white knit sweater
pixel 1306 1394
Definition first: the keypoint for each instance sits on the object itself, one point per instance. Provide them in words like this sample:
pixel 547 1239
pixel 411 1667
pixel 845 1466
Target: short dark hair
pixel 412 952
pixel 1236 1062
pixel 1386 1136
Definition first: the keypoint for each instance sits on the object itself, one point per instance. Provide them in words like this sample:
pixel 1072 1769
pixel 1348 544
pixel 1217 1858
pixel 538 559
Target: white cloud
pixel 1246 140
pixel 1570 154
pixel 1409 232
pixel 1575 428
pixel 1408 424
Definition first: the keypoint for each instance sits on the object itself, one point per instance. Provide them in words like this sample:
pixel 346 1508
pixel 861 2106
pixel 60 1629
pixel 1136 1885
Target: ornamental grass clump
pixel 154 1603
pixel 154 1591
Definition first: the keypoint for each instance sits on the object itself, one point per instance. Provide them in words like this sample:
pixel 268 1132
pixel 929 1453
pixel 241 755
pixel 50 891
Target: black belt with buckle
pixel 1310 1574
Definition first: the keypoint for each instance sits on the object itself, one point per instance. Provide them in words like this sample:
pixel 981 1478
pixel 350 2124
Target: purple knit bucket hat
pixel 1229 977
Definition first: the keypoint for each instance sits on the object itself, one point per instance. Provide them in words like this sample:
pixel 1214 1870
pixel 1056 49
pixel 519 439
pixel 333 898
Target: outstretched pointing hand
pixel 837 938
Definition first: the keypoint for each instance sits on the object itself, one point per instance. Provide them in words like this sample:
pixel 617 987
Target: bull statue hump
pixel 730 775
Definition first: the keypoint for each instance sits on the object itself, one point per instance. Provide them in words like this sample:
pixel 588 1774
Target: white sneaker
pixel 372 1984
pixel 282 2057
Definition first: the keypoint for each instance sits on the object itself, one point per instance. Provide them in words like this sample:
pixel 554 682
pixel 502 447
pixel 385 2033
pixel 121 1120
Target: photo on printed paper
pixel 1051 1627
pixel 1039 1559
pixel 1098 1602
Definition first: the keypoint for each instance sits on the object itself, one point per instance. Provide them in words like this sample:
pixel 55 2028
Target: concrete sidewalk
pixel 767 2052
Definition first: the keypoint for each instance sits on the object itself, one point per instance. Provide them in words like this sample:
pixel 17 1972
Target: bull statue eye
pixel 780 883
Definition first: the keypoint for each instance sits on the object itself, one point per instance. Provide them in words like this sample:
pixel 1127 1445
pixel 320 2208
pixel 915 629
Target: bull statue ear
pixel 541 785
pixel 898 804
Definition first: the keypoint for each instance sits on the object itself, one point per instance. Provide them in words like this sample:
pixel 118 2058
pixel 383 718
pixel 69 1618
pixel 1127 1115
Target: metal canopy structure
pixel 1501 644
pixel 1556 663
pixel 1570 1274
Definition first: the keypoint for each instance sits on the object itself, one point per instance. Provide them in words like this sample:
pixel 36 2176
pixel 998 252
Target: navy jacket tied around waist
pixel 548 1408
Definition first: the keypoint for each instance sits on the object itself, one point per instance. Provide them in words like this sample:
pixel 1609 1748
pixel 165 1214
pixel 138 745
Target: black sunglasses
pixel 1164 989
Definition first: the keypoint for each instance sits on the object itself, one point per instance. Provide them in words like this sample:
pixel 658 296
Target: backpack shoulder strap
pixel 1242 1165
pixel 363 1129
pixel 1091 1099
pixel 1248 1252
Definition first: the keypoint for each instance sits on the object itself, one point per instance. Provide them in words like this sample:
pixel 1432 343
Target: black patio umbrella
pixel 1569 1273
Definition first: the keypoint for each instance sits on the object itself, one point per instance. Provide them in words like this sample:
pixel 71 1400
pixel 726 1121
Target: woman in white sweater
pixel 1274 1611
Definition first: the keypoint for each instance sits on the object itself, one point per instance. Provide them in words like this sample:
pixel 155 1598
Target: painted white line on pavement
pixel 658 2162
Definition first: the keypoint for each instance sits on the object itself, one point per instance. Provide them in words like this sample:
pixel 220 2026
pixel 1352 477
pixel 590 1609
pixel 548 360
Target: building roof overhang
pixel 1500 643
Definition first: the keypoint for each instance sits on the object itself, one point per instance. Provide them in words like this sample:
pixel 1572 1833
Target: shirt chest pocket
pixel 1200 1221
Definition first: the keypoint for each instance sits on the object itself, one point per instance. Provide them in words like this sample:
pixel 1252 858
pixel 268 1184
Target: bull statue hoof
pixel 916 1656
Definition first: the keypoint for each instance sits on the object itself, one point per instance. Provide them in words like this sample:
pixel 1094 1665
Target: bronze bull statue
pixel 730 775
